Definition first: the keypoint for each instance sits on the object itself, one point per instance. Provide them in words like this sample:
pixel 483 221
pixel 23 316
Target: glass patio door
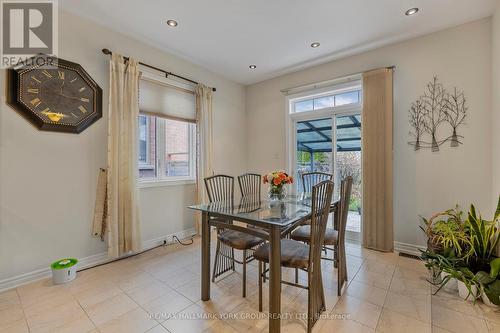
pixel 332 145
pixel 314 148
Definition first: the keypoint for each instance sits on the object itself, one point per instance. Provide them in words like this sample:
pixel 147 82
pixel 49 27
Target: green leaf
pixel 495 267
pixel 493 292
pixel 484 278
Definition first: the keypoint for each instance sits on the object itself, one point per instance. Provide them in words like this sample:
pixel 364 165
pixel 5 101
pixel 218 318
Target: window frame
pixel 161 179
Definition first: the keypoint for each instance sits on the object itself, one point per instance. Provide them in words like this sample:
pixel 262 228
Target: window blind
pixel 165 100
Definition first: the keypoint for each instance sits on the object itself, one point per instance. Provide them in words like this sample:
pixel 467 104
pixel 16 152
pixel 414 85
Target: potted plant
pixel 490 284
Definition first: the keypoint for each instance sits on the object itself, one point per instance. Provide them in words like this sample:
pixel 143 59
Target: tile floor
pixel 386 293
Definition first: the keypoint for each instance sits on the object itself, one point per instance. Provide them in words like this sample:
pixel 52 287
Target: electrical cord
pixel 180 242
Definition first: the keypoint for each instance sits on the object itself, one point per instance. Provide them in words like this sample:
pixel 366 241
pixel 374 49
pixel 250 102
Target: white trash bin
pixel 63 270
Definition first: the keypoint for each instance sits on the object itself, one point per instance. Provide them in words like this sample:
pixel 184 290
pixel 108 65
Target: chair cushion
pixel 239 240
pixel 293 254
pixel 303 234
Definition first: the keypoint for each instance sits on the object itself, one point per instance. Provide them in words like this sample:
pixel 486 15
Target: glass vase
pixel 277 192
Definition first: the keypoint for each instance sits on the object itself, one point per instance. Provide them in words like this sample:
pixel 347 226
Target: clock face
pixel 58 97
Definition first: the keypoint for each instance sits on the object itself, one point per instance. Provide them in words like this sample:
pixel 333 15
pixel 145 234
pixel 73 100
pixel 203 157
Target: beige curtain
pixel 123 229
pixel 377 159
pixel 205 143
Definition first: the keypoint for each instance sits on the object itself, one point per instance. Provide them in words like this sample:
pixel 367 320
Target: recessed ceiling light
pixel 315 45
pixel 172 23
pixel 411 11
pixel 252 67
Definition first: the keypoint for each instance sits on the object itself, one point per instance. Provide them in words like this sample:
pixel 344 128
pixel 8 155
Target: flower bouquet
pixel 276 181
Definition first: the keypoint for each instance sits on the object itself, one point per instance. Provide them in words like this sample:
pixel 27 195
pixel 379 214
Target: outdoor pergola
pixel 316 135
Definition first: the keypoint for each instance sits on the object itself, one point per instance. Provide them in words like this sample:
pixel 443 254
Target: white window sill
pixel 166 182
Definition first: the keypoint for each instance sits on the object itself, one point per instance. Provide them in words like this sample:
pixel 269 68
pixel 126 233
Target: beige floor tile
pixel 361 311
pixel 68 317
pixel 414 306
pixel 375 279
pixel 455 303
pixel 410 286
pixel 158 329
pixel 17 326
pixel 344 326
pixel 135 280
pixel 220 327
pixel 489 313
pixel 10 314
pixel 148 292
pixel 136 320
pixel 95 292
pixel 366 292
pixel 381 267
pixel 38 291
pixel 393 322
pixel 457 322
pixel 110 309
pixel 8 299
pixel 247 318
pixel 493 327
pixel 436 329
pixel 166 306
pixel 191 319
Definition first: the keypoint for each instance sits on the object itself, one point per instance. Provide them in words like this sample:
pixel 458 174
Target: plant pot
pixel 487 301
pixel 452 285
pixel 463 292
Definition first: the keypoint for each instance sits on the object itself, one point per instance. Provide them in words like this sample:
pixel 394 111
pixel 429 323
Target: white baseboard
pixel 408 248
pixel 90 261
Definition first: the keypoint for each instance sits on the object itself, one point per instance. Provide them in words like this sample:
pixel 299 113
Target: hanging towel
pixel 101 209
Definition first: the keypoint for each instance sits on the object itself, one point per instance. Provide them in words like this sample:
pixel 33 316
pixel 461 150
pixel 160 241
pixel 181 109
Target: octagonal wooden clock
pixel 54 94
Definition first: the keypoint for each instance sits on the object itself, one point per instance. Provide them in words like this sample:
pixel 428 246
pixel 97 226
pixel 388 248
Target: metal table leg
pixel 205 257
pixel 275 280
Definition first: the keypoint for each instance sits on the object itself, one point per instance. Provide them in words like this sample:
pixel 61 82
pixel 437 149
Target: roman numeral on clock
pixel 33 90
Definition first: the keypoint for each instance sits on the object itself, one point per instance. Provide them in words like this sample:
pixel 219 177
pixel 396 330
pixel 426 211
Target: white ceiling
pixel 225 36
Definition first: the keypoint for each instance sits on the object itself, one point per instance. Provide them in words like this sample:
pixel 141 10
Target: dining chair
pixel 307 257
pixel 220 188
pixel 309 179
pixel 334 237
pixel 250 184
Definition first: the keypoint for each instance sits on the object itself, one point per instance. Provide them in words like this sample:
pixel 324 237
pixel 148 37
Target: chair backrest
pixel 250 184
pixel 220 188
pixel 320 209
pixel 343 207
pixel 309 179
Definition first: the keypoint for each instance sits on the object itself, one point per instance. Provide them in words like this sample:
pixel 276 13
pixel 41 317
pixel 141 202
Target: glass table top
pixel 278 212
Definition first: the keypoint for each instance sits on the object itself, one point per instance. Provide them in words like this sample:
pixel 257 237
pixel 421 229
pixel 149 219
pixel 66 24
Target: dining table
pixel 271 219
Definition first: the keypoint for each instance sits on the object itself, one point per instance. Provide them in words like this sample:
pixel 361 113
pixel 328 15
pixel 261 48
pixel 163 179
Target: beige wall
pixel 495 153
pixel 48 180
pixel 424 182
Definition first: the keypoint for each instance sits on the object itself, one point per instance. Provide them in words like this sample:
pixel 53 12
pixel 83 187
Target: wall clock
pixel 54 94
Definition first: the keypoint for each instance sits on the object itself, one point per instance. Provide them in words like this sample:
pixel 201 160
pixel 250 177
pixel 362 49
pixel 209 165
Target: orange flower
pixel 276 181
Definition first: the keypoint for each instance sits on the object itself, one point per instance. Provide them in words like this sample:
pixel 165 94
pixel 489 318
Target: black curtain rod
pixel 167 74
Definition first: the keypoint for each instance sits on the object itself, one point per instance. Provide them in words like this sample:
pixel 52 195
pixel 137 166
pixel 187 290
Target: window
pixel 166 133
pixel 351 97
pixel 166 149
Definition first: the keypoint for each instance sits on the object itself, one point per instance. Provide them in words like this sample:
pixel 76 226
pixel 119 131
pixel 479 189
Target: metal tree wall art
pixel 456 111
pixel 435 108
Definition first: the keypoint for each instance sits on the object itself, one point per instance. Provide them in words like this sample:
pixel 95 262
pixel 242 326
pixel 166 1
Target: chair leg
pixel 335 257
pixel 232 256
pixel 264 276
pixel 216 261
pixel 260 286
pixel 244 273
